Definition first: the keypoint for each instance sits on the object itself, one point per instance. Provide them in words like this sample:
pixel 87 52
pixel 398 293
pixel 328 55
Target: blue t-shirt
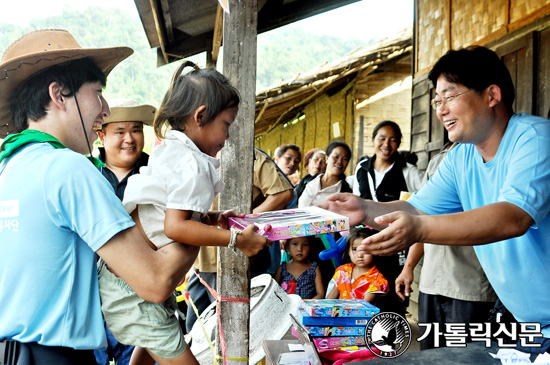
pixel 518 268
pixel 56 210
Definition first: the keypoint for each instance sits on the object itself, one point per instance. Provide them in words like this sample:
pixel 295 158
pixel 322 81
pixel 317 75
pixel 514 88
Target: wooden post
pixel 239 65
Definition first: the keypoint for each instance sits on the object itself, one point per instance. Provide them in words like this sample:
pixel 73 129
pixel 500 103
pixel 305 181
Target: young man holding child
pixel 58 211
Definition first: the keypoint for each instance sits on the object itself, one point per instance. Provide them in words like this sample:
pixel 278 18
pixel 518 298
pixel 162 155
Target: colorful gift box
pixel 290 223
pixel 339 308
pixel 331 321
pixel 323 343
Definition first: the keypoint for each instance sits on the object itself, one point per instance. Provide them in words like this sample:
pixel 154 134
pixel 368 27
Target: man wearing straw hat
pixel 121 135
pixel 122 138
pixel 56 209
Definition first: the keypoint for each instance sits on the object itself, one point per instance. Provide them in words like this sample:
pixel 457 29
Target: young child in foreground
pixel 169 201
pixel 359 279
pixel 299 275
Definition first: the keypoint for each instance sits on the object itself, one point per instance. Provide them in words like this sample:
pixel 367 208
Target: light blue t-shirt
pixel 56 210
pixel 518 268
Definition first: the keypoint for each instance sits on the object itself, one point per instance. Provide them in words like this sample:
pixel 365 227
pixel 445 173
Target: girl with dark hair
pixel 358 278
pixel 170 200
pixel 300 275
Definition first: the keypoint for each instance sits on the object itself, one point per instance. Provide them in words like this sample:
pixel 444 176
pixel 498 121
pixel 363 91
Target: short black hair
pixel 30 99
pixel 336 144
pixel 355 233
pixel 388 123
pixel 283 148
pixel 476 68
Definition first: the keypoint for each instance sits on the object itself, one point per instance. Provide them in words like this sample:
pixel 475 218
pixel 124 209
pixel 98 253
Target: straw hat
pixel 128 110
pixel 38 50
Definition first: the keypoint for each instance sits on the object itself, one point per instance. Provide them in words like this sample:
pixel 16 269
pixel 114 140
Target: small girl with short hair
pixel 299 275
pixel 169 201
pixel 359 279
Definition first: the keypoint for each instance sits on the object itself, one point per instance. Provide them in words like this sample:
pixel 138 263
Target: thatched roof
pixel 282 102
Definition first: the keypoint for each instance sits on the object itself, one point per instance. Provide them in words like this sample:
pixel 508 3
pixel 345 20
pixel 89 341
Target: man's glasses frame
pixel 448 100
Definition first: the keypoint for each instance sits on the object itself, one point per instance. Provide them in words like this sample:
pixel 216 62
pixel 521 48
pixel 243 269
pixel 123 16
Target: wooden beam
pixel 261 112
pixel 159 28
pixel 543 11
pixel 218 34
pixel 239 65
pixel 167 20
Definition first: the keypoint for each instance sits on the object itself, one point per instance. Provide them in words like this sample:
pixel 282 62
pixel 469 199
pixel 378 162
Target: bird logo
pixel 388 333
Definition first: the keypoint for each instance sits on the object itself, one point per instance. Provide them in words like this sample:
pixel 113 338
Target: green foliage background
pixel 281 53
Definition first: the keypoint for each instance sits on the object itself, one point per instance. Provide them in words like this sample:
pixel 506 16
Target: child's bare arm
pixel 319 287
pixel 219 218
pixel 371 297
pixel 334 293
pixel 179 227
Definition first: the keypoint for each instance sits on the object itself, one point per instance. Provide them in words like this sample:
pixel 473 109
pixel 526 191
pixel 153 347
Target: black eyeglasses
pixel 449 100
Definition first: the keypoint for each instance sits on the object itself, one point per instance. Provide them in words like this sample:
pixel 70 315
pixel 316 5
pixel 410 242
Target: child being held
pixel 299 275
pixel 359 279
pixel 169 201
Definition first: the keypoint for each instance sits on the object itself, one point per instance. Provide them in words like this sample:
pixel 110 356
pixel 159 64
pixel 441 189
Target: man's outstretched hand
pixel 347 204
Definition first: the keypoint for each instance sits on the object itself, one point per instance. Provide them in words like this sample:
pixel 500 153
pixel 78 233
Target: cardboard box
pixel 290 223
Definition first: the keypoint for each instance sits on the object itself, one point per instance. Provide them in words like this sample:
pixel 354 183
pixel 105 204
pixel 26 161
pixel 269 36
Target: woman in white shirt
pixel 333 180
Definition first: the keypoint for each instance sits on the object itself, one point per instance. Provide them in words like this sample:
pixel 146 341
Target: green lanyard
pixel 14 142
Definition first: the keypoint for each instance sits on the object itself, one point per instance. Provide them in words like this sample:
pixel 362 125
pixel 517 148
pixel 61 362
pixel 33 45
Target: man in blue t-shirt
pixel 56 209
pixel 492 191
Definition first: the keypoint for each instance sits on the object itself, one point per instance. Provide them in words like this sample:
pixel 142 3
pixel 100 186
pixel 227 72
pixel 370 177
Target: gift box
pixel 331 321
pixel 290 223
pixel 323 343
pixel 324 331
pixel 339 308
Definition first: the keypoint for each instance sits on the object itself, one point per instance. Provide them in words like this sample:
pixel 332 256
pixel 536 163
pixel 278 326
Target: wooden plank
pixel 421 105
pixel 218 34
pixel 543 87
pixel 421 88
pixel 160 30
pixel 240 51
pixel 518 56
pixel 165 5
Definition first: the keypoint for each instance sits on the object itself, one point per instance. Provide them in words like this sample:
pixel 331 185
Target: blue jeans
pixel 114 350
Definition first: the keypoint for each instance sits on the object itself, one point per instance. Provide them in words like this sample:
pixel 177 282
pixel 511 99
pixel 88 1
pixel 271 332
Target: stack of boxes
pixel 337 323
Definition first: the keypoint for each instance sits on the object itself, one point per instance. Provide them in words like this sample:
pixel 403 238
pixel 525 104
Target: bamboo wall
pixel 441 25
pixel 316 128
pixel 389 99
